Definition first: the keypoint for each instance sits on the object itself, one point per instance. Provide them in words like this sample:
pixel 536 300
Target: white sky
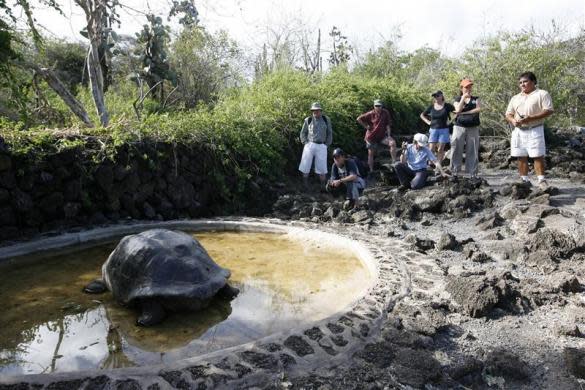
pixel 446 25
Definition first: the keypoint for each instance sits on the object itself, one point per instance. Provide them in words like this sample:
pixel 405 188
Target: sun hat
pixel 316 106
pixel 421 139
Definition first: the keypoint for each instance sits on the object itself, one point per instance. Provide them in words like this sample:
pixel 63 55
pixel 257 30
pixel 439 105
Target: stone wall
pixel 87 186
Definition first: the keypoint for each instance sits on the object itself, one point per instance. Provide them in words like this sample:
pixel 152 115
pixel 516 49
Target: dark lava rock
pixel 259 360
pixel 564 282
pixel 65 385
pixel 334 328
pixel 517 190
pixel 286 360
pixel 415 367
pixel 420 245
pixel 490 221
pixel 467 372
pixel 481 257
pixel 314 333
pixel 101 382
pixel 271 347
pixel 175 378
pixel 299 346
pixel 406 338
pixel 378 354
pixel 476 295
pixel 506 364
pixel 554 242
pixel 339 340
pixel 128 384
pixel 447 242
pixel 422 319
pixel 570 330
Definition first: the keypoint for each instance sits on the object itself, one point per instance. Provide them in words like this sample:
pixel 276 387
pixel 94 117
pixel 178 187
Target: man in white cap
pixel 412 168
pixel 377 123
pixel 316 135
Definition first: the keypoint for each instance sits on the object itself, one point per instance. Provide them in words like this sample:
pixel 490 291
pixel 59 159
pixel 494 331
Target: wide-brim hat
pixel 316 106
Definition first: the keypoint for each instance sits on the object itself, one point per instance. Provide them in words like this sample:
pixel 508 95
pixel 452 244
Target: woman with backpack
pixel 466 131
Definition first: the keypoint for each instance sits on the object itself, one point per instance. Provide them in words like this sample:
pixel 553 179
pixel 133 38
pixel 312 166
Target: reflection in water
pixel 50 325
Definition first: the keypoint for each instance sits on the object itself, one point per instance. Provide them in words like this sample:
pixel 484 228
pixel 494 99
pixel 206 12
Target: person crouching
pixel 345 177
pixel 412 168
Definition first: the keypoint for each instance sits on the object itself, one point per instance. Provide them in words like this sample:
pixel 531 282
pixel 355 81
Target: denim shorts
pixel 439 136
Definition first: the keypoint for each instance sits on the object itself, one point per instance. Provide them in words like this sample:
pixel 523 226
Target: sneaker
pixel 542 184
pixel 348 204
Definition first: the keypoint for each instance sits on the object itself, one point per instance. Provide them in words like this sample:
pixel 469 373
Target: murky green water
pixel 48 325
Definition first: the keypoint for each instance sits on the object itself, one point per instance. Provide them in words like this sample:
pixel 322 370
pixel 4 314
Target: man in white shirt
pixel 526 112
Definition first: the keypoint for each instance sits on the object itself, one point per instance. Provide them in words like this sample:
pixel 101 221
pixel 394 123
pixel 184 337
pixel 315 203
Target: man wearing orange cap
pixel 466 131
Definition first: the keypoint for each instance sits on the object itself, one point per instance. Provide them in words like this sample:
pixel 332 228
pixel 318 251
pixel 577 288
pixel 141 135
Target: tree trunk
pixel 74 105
pixel 95 12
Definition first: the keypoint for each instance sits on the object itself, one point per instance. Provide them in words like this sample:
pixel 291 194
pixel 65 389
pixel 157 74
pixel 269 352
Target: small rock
pixel 481 257
pixel 569 330
pixel 447 242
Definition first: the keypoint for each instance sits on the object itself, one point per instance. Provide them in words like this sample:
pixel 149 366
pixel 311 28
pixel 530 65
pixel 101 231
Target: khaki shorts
pixel 383 144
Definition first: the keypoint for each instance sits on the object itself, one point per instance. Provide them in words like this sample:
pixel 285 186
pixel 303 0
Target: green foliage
pixel 67 60
pixel 206 64
pixel 152 48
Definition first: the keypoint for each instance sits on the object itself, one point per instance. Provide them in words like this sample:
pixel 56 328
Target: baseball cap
pixel 315 106
pixel 437 93
pixel 338 152
pixel 421 139
pixel 466 82
pixel 378 102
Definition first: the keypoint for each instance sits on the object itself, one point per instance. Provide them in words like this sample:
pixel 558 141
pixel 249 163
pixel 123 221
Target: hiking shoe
pixel 402 188
pixel 542 184
pixel 348 204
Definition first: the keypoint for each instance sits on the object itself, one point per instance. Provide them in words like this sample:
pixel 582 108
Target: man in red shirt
pixel 377 124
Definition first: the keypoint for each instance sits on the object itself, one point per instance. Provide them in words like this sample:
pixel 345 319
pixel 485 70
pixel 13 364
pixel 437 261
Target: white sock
pixel 524 178
pixel 540 177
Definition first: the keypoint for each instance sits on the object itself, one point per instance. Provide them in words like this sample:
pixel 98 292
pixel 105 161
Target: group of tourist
pixel 526 112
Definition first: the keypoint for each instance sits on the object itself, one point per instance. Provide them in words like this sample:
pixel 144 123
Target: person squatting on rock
pixel 526 112
pixel 438 116
pixel 412 168
pixel 316 135
pixel 345 178
pixel 466 131
pixel 377 123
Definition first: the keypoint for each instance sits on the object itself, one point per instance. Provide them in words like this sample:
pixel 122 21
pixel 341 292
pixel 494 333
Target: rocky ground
pixel 480 287
pixel 495 268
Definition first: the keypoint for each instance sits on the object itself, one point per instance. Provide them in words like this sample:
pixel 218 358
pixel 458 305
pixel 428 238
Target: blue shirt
pixel 417 159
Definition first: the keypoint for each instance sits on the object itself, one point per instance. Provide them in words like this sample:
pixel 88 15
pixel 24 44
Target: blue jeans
pixel 410 178
pixel 351 188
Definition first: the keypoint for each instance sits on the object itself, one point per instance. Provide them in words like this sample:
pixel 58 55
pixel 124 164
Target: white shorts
pixel 319 153
pixel 528 143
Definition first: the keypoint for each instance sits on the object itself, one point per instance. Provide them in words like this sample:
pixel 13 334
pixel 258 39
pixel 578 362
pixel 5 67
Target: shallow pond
pixel 49 325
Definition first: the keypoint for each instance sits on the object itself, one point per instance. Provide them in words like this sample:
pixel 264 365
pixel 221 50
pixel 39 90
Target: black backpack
pixel 362 167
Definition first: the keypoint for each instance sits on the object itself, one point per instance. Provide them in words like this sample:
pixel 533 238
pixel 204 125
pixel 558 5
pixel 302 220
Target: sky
pixel 449 26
